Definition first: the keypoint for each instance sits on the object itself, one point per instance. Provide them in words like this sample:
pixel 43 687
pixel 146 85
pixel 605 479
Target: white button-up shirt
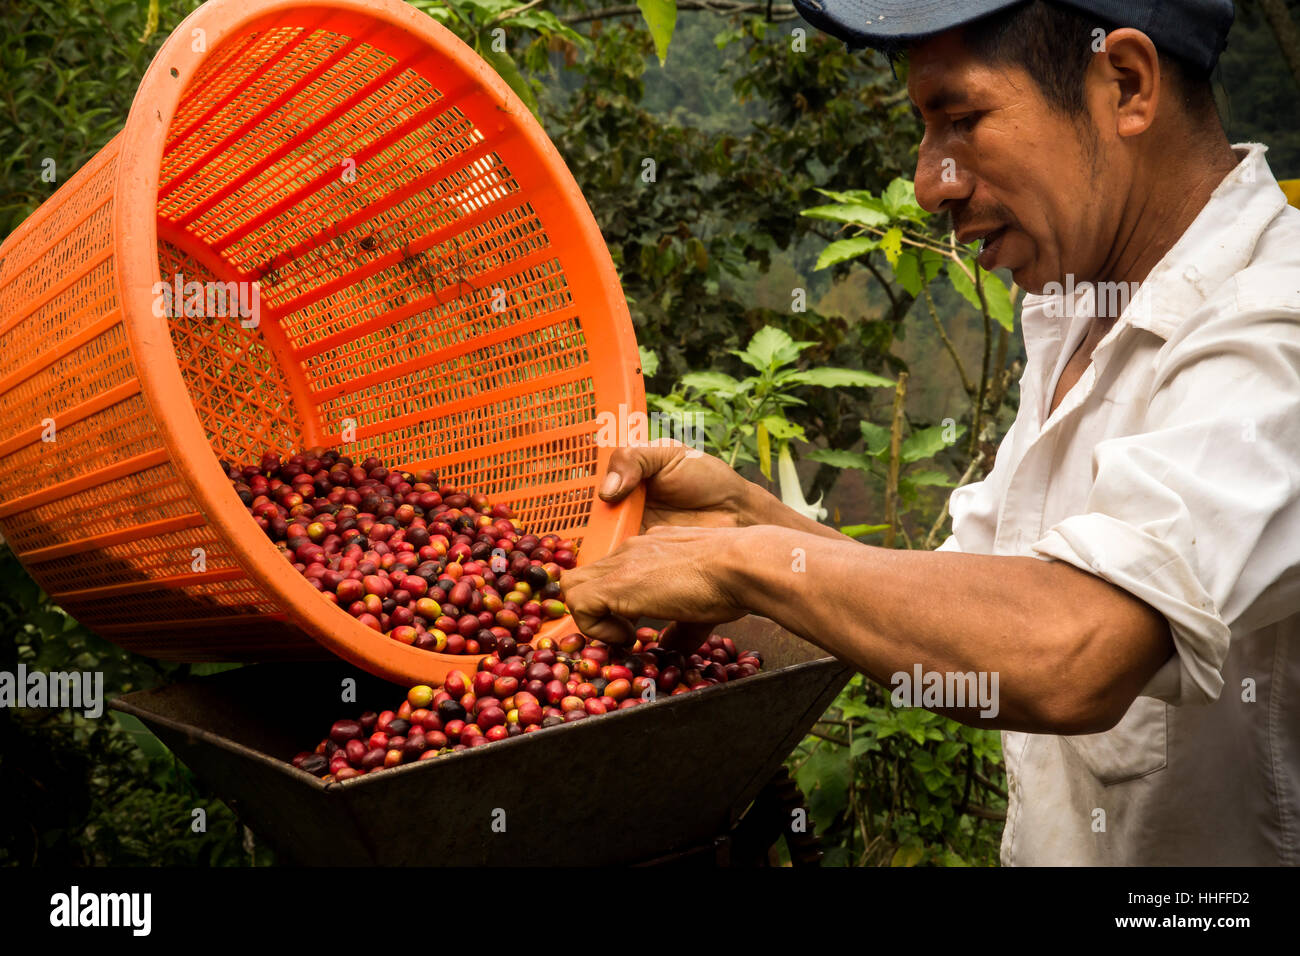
pixel 1172 470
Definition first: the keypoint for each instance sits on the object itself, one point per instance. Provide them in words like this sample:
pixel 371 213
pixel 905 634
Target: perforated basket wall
pixel 429 281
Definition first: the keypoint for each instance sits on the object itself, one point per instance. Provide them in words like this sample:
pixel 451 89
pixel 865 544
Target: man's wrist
pixel 750 569
pixel 758 506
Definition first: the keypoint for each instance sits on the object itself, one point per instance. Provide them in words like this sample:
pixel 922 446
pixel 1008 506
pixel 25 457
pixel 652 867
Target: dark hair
pixel 1053 43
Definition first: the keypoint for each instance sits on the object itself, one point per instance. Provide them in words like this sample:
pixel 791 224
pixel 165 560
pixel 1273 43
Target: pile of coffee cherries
pixel 536 686
pixel 422 563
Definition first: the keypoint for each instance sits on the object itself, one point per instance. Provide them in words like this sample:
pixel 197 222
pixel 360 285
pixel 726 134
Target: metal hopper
pixel 626 787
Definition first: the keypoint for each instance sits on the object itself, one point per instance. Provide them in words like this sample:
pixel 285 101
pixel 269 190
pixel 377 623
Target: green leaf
pixel 508 71
pixel 485 9
pixel 661 17
pixel 864 197
pixel 855 214
pixel 764 451
pixel 862 530
pixel 927 442
pixel 838 458
pixel 842 250
pixel 541 21
pixel 876 437
pixel 782 429
pixel 771 347
pixel 649 361
pixel 712 383
pixel 837 856
pixel 824 778
pixel 144 739
pixel 998 297
pixel 898 193
pixel 900 201
pixel 865 744
pixel 930 478
pixel 727 37
pixel 907 270
pixel 891 244
pixel 839 378
pixel 907 856
pixel 962 283
pixel 860 197
pixel 948 750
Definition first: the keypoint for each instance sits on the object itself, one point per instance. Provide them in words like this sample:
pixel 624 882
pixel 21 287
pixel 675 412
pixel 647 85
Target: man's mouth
pixel 990 243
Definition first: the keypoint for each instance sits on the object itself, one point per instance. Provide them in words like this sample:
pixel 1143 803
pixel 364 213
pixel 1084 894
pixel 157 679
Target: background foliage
pixel 79 791
pixel 744 121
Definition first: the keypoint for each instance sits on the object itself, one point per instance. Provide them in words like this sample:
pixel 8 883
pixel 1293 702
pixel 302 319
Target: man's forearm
pixel 1071 651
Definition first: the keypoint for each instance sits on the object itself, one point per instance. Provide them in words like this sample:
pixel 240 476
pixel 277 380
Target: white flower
pixel 791 492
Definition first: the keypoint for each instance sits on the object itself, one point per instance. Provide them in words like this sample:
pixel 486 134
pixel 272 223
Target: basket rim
pixel 142 142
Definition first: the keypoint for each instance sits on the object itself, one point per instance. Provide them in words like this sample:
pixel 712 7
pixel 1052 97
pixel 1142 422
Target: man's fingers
pixel 630 466
pixel 684 636
pixel 610 628
pixel 572 578
pixel 624 474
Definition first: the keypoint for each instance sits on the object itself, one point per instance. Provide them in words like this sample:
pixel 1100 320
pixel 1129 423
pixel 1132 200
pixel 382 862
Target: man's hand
pixel 687 488
pixel 665 573
pixel 684 487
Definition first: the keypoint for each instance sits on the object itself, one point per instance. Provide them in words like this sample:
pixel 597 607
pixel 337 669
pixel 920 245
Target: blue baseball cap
pixel 1195 31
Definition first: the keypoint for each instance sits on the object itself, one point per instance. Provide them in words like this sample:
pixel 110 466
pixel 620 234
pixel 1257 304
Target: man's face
pixel 1012 171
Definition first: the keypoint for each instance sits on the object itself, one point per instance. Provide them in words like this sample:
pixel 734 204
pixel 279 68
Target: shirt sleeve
pixel 1198 515
pixel 974 507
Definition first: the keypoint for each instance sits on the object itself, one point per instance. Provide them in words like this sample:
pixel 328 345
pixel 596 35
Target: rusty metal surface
pixel 626 787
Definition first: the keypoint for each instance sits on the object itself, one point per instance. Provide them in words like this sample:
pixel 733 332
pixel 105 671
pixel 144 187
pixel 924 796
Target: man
pixel 1130 568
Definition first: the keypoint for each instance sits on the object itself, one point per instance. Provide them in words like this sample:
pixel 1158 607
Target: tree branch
pixel 975 810
pixel 514 12
pixel 989 785
pixel 1285 32
pixel 893 301
pixel 947 342
pixel 895 440
pixel 998 391
pixel 713 6
pixel 977 425
pixel 829 738
pixel 943 514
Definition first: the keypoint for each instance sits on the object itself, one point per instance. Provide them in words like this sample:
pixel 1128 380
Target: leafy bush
pixel 711 250
pixel 68 73
pixel 81 791
pixel 900 786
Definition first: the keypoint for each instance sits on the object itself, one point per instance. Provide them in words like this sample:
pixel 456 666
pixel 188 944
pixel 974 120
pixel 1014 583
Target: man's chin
pixel 1029 273
pixel 1032 280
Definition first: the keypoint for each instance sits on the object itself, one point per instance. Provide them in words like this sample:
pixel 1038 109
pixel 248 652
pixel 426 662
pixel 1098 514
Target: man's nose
pixel 941 181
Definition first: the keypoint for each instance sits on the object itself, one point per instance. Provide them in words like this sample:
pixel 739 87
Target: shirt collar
pixel 1219 242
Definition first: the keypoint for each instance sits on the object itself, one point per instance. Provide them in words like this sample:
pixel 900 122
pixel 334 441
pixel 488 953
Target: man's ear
pixel 1126 75
pixel 898 64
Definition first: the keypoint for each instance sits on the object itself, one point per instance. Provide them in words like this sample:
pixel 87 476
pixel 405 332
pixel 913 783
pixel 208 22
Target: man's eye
pixel 966 122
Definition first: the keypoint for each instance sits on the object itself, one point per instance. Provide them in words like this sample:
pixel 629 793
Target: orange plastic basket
pixel 430 278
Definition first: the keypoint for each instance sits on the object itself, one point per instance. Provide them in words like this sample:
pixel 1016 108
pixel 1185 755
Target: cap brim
pixel 885 24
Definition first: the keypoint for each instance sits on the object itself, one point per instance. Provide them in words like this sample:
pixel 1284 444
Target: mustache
pixel 960 219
